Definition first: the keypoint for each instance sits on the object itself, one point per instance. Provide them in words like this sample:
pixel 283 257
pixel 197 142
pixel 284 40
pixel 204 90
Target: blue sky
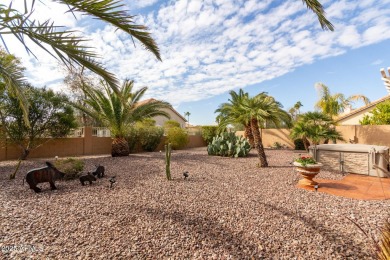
pixel 213 46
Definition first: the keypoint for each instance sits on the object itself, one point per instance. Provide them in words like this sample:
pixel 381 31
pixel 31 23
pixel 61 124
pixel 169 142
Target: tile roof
pixel 360 109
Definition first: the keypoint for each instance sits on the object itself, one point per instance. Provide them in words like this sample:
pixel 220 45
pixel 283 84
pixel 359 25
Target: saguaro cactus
pixel 168 150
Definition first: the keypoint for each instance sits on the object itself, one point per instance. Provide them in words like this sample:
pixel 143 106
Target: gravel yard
pixel 227 209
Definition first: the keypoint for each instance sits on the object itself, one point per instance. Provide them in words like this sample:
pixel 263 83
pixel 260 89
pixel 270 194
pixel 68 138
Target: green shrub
pixel 177 137
pixel 171 123
pixel 150 137
pixel 228 144
pixel 208 132
pixel 132 139
pixel 298 143
pixel 71 167
pixel 144 137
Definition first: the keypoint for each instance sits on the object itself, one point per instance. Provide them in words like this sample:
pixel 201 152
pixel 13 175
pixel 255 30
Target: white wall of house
pixel 160 120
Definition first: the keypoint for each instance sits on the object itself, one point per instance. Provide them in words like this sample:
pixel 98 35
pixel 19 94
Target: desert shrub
pixel 171 123
pixel 177 136
pixel 150 137
pixel 228 144
pixel 144 136
pixel 71 167
pixel 208 132
pixel 298 143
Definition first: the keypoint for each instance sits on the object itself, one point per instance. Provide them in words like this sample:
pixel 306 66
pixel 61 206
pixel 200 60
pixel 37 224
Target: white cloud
pixel 210 47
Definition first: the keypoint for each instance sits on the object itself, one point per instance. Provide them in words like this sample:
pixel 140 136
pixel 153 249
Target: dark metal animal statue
pixel 46 174
pixel 88 178
pixel 112 181
pixel 99 172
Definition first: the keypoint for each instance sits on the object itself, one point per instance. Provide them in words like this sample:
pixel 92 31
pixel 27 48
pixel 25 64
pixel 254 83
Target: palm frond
pixel 318 9
pixel 111 11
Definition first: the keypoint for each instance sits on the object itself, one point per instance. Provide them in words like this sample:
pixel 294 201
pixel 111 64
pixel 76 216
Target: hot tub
pixel 364 159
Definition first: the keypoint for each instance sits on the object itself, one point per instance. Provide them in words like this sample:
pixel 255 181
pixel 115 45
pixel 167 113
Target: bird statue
pixel 112 181
pixel 185 174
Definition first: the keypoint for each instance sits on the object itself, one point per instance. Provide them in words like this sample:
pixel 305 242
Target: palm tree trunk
pixel 248 134
pixel 306 143
pixel 258 143
pixel 119 147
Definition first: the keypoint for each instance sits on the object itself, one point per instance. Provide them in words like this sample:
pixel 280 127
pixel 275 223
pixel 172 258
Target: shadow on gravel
pixel 329 235
pixel 217 235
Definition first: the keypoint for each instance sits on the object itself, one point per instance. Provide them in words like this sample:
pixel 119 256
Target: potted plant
pixel 308 168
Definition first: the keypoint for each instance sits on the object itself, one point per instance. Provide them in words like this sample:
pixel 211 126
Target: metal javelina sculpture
pixel 99 172
pixel 88 178
pixel 46 174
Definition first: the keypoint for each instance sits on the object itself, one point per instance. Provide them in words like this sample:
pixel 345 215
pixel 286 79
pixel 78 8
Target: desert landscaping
pixel 228 208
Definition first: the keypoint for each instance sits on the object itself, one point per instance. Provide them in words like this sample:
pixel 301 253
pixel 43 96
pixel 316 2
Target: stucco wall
pixel 71 147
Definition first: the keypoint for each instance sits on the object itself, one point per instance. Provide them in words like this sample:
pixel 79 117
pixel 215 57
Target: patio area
pixel 355 186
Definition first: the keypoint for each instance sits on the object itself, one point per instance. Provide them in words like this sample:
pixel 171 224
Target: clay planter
pixel 308 172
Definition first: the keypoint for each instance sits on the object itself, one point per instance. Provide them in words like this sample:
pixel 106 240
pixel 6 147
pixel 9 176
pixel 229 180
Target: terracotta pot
pixel 308 172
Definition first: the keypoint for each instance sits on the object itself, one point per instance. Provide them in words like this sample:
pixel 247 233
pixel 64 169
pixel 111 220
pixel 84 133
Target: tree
pixel 187 114
pixel 49 117
pixel 332 105
pixel 380 115
pixel 314 126
pixel 230 113
pixel 120 110
pixel 64 44
pixel 252 112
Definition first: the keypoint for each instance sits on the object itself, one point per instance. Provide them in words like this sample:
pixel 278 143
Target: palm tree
pixel 314 126
pixel 64 44
pixel 252 112
pixel 187 114
pixel 120 110
pixel 297 106
pixel 334 104
pixel 231 113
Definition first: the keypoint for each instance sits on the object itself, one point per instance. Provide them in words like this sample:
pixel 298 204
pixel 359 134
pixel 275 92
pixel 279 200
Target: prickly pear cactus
pixel 228 144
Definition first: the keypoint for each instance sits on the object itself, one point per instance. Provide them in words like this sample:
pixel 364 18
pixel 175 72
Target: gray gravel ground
pixel 227 209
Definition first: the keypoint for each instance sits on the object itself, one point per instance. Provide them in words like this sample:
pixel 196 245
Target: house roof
pixel 153 100
pixel 360 109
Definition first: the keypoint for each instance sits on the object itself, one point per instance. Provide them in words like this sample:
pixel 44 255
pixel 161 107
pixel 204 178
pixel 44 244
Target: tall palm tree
pixel 120 110
pixel 187 114
pixel 63 44
pixel 334 104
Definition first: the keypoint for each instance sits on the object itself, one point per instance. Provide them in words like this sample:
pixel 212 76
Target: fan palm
pixel 314 126
pixel 251 112
pixel 334 104
pixel 231 113
pixel 120 110
pixel 64 44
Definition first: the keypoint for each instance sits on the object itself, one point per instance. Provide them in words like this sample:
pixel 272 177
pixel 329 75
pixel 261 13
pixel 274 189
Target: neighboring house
pixel 353 117
pixel 160 120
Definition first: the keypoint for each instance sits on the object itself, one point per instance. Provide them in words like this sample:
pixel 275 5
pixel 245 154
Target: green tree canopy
pixel 380 115
pixel 120 110
pixel 49 116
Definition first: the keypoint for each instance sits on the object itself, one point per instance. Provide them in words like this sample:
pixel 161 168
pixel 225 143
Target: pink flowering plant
pixel 305 160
